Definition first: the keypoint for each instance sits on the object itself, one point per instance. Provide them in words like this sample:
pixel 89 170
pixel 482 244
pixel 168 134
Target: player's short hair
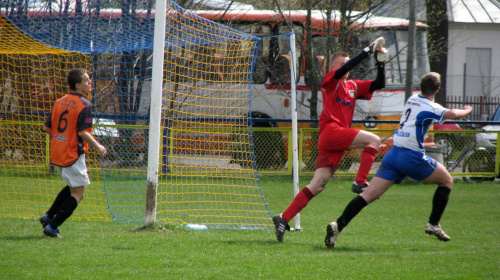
pixel 75 76
pixel 338 54
pixel 430 83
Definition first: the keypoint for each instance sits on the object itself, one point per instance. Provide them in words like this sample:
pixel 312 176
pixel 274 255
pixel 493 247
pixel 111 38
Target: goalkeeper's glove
pixel 380 56
pixel 375 45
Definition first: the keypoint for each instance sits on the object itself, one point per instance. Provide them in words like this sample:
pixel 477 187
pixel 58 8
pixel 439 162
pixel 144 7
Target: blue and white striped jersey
pixel 418 115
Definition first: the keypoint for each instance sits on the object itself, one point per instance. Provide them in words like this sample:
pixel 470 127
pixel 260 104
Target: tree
pixel 437 42
pixel 347 20
pixel 311 73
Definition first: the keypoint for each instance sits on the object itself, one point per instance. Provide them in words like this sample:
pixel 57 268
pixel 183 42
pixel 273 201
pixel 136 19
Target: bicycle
pixel 475 158
pixel 480 155
pixel 481 159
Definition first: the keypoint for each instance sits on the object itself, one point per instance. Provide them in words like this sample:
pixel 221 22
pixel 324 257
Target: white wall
pixel 471 35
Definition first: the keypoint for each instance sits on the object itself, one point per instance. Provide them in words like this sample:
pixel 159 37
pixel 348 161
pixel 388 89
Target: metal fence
pixel 484 107
pixel 468 154
pixel 480 92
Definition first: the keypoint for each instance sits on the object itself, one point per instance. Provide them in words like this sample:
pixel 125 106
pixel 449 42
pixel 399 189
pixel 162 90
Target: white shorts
pixel 76 174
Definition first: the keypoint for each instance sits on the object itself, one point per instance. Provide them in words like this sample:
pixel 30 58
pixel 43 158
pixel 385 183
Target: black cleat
pixel 44 220
pixel 281 226
pixel 358 188
pixel 48 231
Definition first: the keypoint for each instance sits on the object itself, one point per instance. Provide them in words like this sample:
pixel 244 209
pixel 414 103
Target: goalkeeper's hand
pixel 375 45
pixel 380 56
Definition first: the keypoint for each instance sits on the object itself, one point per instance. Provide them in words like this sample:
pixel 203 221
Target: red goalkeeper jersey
pixel 339 99
pixel 71 114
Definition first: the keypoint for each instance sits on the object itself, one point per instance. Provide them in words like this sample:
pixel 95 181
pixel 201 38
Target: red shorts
pixel 333 142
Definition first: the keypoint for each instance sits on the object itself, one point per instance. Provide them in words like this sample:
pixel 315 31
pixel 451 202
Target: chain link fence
pixel 467 154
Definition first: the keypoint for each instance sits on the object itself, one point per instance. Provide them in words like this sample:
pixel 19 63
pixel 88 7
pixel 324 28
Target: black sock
pixel 439 203
pixel 64 212
pixel 350 211
pixel 60 198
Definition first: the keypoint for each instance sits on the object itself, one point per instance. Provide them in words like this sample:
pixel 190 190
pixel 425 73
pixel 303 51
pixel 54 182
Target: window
pixel 478 72
pixel 262 30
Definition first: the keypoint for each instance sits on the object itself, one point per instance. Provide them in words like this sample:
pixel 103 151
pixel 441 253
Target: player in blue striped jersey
pixel 408 158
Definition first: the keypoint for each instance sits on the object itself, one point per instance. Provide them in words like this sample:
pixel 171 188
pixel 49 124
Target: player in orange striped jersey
pixel 70 125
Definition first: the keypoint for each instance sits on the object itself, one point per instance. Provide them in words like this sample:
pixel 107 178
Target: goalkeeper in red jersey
pixel 69 126
pixel 335 135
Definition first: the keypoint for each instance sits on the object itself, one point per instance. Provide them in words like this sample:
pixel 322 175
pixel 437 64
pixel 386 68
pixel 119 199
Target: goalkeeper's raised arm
pixel 380 55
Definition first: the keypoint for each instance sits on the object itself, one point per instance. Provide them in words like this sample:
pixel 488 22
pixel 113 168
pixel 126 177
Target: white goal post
pixel 295 148
pixel 155 112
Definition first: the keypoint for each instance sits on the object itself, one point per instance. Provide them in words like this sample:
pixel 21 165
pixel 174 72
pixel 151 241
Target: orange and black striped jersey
pixel 71 114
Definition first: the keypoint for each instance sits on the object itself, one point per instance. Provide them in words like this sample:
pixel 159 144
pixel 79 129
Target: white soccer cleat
pixel 332 233
pixel 437 231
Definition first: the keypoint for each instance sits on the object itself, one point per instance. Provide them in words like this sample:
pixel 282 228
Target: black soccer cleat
pixel 358 188
pixel 281 226
pixel 49 231
pixel 45 220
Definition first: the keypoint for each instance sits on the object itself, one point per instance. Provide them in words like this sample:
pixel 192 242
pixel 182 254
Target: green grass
pixel 385 241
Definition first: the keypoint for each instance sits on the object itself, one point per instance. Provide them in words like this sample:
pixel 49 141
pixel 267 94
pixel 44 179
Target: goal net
pixel 207 172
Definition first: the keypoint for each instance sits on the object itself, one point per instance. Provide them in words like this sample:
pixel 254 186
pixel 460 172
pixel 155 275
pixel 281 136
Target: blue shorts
pixel 400 162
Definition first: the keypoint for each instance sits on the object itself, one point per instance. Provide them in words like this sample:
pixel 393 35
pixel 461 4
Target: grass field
pixel 386 241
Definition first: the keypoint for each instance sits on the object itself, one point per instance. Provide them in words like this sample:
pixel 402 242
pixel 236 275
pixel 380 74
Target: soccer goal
pixel 204 121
